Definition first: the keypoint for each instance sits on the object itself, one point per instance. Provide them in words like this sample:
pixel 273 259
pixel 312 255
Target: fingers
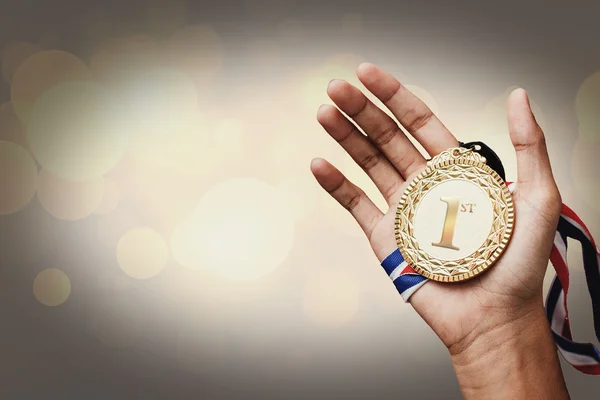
pixel 347 194
pixel 379 126
pixel 533 164
pixel 411 112
pixel 362 150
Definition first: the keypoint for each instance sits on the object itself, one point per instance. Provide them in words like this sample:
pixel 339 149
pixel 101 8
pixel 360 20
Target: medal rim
pixel 435 164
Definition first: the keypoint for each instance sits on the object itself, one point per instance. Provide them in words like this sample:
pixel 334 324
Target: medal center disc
pixel 453 220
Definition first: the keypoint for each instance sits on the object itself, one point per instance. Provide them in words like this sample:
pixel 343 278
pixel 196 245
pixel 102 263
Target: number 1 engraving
pixel 449 222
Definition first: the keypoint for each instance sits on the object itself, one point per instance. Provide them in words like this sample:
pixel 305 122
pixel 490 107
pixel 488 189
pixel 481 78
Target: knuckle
pixel 386 135
pixel 416 118
pixel 370 161
pixel 406 163
pixel 361 108
pixel 538 140
pixel 391 191
pixel 353 200
pixel 347 135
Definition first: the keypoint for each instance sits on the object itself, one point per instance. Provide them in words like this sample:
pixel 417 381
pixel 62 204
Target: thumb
pixel 533 164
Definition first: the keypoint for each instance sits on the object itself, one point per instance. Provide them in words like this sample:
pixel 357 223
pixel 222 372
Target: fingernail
pixel 334 81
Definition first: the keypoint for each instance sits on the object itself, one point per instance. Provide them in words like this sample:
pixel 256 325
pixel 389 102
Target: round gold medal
pixel 455 218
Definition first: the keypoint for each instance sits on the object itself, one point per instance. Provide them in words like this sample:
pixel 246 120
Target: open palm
pixel 459 313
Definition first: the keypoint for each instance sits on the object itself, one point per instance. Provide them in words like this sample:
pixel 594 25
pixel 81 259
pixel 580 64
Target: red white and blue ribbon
pixel 585 357
pixel 406 279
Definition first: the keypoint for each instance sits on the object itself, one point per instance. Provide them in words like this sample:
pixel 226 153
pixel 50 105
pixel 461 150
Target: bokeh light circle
pixel 162 101
pixel 78 131
pixel 40 72
pixel 242 229
pixel 119 61
pixel 110 197
pixel 142 253
pixel 52 287
pixel 13 55
pixel 229 138
pixel 18 177
pixel 69 200
pixel 587 104
pixel 11 127
pixel 301 192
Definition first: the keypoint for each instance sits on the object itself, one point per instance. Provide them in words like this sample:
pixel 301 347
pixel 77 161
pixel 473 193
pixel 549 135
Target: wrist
pixel 515 358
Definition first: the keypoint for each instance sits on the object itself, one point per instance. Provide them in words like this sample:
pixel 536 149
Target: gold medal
pixel 455 218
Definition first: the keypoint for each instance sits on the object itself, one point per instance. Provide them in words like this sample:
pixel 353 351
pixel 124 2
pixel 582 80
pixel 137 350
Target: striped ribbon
pixel 585 357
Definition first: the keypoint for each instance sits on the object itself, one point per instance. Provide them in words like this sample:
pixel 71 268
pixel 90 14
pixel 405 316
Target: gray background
pixel 465 52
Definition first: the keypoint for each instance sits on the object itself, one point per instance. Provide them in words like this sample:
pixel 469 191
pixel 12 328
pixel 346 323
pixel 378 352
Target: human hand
pixel 499 309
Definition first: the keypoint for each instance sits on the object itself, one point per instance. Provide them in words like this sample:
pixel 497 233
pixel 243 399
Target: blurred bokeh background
pixel 161 235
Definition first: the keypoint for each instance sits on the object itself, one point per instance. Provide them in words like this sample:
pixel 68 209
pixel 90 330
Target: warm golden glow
pixel 18 177
pixel 52 287
pixel 78 130
pixel 301 193
pixel 199 148
pixel 241 229
pixel 161 101
pixel 142 253
pixel 171 159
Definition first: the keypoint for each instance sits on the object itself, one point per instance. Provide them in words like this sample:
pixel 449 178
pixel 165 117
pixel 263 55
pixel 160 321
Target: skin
pixel 493 325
